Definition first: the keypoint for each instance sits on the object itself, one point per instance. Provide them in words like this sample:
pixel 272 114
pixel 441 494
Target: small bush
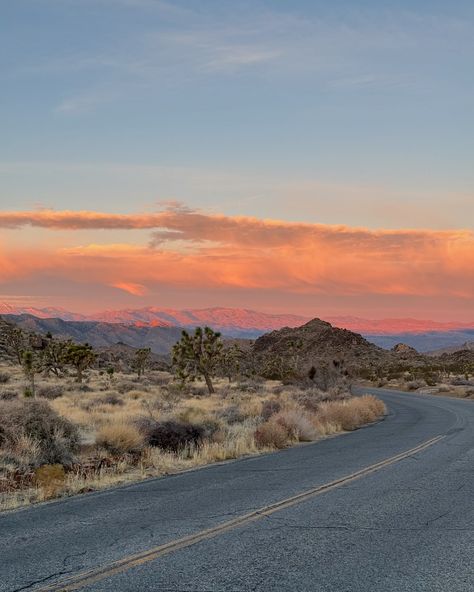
pixel 172 435
pixel 56 438
pixel 297 425
pixel 120 438
pixel 157 379
pixel 80 388
pixel 125 386
pixel 414 385
pixel 271 435
pixel 269 408
pixel 8 395
pixel 199 391
pixel 4 378
pixel 111 399
pixel 351 414
pixel 50 478
pixel 231 414
pixel 249 386
pixel 27 393
pixel 50 391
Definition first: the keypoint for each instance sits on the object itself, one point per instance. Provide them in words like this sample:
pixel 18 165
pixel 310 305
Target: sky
pixel 308 156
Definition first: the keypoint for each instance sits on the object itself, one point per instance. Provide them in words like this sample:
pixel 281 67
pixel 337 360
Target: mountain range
pixel 424 335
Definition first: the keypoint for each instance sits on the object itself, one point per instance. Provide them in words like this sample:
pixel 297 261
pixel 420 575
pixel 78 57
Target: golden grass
pixel 120 438
pixel 108 411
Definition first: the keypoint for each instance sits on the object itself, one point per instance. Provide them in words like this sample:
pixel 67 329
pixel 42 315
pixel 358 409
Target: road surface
pixel 389 507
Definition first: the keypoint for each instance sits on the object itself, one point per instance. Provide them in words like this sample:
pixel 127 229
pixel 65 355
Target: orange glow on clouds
pixel 134 289
pixel 198 250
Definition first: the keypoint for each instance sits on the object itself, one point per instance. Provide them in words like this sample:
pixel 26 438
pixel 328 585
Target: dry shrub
pixel 250 407
pixel 191 415
pixel 352 413
pixel 4 377
pixel 80 388
pixel 54 437
pixel 135 395
pixel 231 414
pixel 111 399
pixel 271 435
pixel 50 391
pixel 339 414
pixel 8 395
pixel 171 435
pixel 297 424
pixel 50 479
pixel 120 438
pixel 125 386
pixel 414 385
pixel 376 406
pixel 269 408
pixel 158 379
pixel 252 385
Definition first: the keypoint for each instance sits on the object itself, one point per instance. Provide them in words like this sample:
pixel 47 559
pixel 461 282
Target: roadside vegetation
pixel 452 376
pixel 72 423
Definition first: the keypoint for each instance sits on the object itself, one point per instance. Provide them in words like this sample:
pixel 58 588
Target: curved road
pixel 386 508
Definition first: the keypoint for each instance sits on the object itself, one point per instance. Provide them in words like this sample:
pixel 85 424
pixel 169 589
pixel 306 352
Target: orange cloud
pixel 201 251
pixel 135 289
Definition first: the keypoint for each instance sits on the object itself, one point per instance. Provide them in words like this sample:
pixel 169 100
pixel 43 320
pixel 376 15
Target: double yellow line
pixel 94 575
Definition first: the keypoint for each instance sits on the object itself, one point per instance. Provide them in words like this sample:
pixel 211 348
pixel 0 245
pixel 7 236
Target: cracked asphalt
pixel 408 526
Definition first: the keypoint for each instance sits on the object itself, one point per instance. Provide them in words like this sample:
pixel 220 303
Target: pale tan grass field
pixel 114 449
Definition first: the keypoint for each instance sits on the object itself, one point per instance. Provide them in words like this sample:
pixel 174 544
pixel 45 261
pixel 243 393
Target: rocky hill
pixel 318 342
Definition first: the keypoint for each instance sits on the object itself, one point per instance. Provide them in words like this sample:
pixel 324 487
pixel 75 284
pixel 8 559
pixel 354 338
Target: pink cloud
pixel 199 251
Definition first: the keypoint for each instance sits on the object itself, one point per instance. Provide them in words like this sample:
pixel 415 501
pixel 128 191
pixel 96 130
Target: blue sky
pixel 353 119
pixel 336 112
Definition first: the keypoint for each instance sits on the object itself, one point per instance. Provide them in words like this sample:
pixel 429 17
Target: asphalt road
pixel 402 525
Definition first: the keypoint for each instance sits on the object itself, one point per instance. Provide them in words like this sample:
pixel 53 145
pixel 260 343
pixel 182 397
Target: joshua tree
pixel 30 368
pixel 53 357
pixel 81 357
pixel 12 341
pixel 230 361
pixel 142 357
pixel 197 355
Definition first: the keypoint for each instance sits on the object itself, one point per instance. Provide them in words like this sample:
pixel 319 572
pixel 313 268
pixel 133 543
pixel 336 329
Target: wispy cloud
pixel 130 288
pixel 358 51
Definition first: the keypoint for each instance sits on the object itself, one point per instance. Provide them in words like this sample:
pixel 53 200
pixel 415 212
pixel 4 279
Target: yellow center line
pixel 96 574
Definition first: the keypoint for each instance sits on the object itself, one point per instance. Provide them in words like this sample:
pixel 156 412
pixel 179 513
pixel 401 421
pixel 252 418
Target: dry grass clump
pixel 120 438
pixel 50 391
pixel 351 414
pixel 271 434
pixel 298 425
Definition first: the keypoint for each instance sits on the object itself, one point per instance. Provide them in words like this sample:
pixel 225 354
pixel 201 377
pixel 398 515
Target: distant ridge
pixel 98 334
pixel 239 318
